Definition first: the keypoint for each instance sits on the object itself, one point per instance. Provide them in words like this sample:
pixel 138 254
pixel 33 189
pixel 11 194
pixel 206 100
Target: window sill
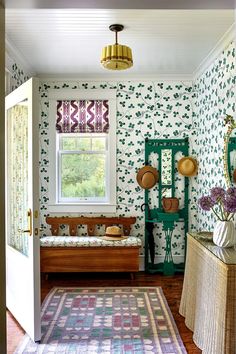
pixel 82 208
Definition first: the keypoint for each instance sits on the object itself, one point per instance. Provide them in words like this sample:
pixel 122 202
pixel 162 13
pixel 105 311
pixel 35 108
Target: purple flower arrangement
pixel 222 202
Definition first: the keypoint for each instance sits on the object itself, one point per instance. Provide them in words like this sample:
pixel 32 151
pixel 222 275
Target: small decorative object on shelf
pixel 170 205
pixel 223 204
pixel 224 234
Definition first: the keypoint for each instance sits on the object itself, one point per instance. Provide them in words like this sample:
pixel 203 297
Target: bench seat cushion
pixel 87 241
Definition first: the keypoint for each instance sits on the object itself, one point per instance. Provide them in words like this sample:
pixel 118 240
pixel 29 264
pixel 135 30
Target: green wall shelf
pixel 166 151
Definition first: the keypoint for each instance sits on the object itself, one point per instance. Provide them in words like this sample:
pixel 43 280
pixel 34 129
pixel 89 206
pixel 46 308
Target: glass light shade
pixel 116 57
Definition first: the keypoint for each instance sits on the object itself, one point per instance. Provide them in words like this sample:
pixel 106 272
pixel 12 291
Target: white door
pixel 22 205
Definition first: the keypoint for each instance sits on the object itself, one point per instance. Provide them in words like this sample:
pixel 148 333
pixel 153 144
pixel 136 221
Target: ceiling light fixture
pixel 116 56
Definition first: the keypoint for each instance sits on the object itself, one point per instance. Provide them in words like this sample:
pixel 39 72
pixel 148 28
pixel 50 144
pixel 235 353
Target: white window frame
pixel 83 206
pixel 61 152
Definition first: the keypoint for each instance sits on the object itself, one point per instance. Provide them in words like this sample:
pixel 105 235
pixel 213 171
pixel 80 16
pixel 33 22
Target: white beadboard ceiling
pixel 68 42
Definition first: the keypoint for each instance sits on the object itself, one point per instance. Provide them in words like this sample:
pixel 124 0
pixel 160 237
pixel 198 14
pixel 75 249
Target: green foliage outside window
pixel 83 167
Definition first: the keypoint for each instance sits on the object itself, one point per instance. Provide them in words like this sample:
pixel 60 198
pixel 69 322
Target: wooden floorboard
pixel 171 285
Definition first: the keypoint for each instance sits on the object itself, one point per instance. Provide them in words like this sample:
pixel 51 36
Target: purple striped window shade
pixel 82 116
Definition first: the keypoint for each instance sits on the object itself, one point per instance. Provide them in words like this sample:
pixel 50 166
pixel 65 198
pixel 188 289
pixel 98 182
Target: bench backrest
pixel 91 223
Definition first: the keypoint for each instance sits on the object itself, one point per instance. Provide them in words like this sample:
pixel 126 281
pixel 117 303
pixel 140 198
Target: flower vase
pixel 224 234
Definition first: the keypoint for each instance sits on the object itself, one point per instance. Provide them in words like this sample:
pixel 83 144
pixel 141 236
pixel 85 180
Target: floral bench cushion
pixel 87 241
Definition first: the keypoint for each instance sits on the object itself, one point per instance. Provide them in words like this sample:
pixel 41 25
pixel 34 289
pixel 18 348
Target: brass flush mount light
pixel 116 56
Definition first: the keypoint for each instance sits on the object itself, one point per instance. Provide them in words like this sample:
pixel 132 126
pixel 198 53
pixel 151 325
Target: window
pixel 82 164
pixel 82 152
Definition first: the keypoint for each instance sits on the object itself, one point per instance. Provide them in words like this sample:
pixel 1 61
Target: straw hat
pixel 187 166
pixel 147 177
pixel 113 233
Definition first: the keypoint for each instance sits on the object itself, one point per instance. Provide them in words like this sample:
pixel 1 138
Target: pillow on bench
pixel 87 241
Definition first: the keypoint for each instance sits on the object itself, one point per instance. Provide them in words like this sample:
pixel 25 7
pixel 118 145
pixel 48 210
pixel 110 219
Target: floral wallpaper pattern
pixel 159 110
pixel 154 110
pixel 17 138
pixel 18 76
pixel 215 96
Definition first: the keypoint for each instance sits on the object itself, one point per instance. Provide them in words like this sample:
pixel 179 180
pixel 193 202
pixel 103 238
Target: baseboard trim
pixel 159 259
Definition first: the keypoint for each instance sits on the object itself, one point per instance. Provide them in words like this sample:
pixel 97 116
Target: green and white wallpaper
pixel 158 110
pixel 144 109
pixel 215 96
pixel 18 76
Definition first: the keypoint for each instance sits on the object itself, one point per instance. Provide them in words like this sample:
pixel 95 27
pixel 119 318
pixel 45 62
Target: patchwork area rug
pixel 106 320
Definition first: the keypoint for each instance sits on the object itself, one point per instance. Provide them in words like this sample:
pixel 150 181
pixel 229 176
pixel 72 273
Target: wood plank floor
pixel 171 285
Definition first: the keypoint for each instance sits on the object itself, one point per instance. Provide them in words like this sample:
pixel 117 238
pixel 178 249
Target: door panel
pixel 22 185
pixel 18 176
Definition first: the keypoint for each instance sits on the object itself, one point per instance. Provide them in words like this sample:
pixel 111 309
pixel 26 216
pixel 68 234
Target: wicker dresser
pixel 208 300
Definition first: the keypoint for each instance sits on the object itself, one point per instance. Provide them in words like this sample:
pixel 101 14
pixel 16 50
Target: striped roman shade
pixel 82 116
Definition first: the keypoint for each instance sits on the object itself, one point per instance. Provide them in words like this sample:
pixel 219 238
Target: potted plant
pixel 223 204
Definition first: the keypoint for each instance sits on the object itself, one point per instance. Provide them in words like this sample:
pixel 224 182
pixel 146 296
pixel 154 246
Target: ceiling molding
pixel 121 4
pixel 227 38
pixel 13 56
pixel 102 78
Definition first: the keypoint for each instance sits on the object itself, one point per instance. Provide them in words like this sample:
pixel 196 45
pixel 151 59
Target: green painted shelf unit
pixel 157 215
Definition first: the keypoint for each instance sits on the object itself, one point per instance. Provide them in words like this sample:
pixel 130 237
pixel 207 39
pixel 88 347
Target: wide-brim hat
pixel 113 233
pixel 147 177
pixel 187 166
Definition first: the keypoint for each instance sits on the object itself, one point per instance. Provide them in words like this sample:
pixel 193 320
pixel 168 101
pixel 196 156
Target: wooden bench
pixel 89 253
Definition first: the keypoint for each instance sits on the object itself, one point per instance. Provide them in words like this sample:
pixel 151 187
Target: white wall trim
pixel 104 78
pixel 160 259
pixel 123 4
pixel 13 55
pixel 83 208
pixel 7 82
pixel 227 38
